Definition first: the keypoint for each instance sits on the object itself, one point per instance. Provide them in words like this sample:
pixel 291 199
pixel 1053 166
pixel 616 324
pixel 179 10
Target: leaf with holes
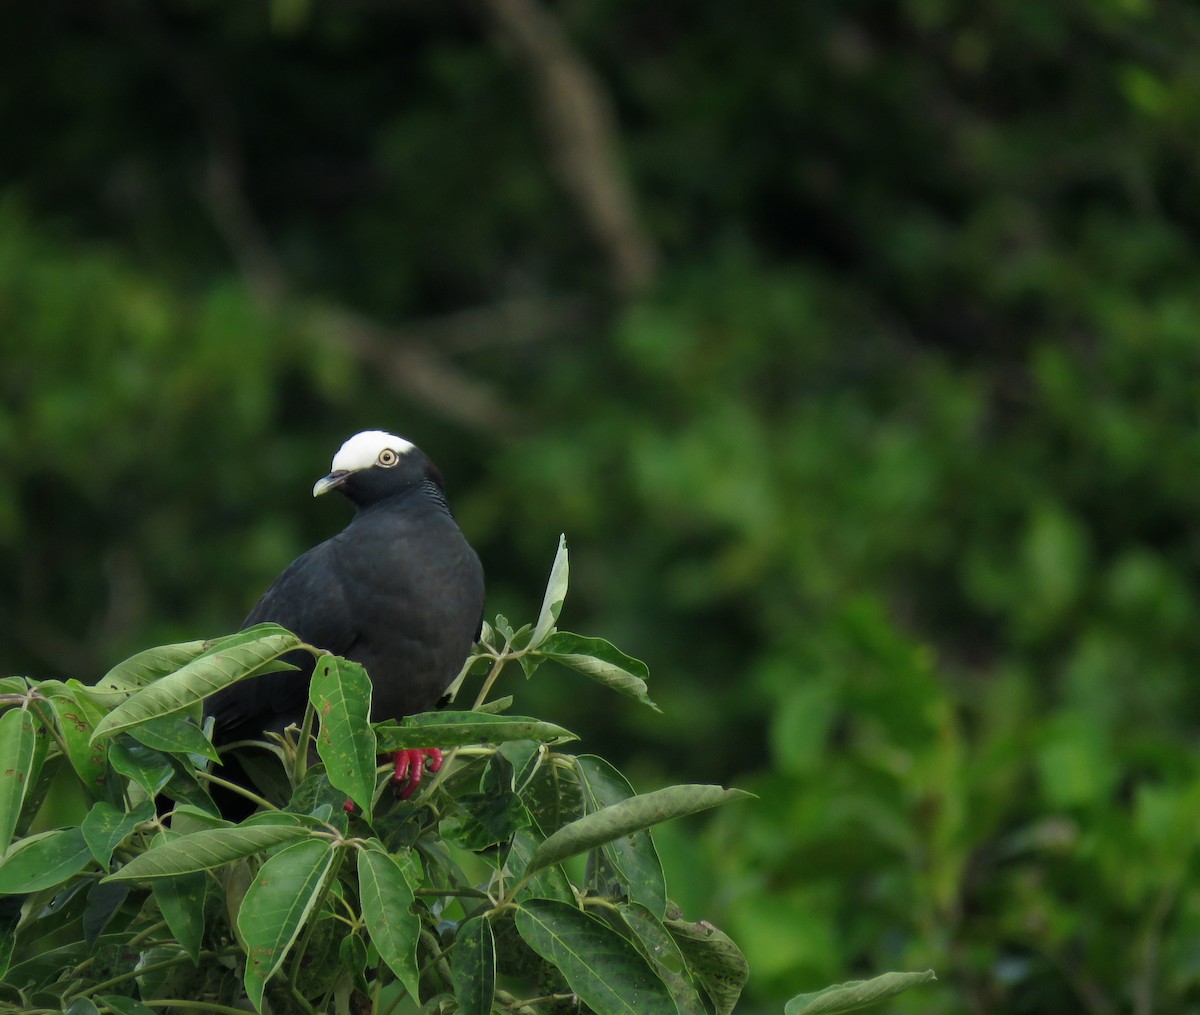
pixel 340 693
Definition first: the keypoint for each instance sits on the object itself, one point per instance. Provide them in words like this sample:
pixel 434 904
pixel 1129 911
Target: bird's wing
pixel 309 600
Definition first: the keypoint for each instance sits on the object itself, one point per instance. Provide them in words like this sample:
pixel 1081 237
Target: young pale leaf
pixel 473 967
pixel 82 1006
pixel 607 972
pixel 205 850
pixel 181 902
pixel 714 960
pixel 633 857
pixel 105 828
pixel 43 861
pixel 76 722
pixel 235 660
pixel 340 693
pixel 855 994
pixel 18 739
pixel 453 729
pixel 663 953
pixel 600 660
pixel 387 902
pixel 276 907
pixel 629 816
pixel 556 594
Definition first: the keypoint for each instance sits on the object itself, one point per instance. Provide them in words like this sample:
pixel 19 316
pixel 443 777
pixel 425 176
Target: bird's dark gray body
pixel 399 590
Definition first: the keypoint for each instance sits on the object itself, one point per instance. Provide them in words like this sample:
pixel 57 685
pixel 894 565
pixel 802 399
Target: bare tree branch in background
pixel 412 367
pixel 579 126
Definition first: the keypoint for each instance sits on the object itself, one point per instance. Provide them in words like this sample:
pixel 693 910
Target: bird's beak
pixel 330 482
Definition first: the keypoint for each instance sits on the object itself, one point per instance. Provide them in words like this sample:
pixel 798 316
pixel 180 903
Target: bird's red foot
pixel 410 767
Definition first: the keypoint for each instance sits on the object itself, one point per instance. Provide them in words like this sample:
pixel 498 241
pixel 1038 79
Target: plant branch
pixel 241 790
pixel 580 130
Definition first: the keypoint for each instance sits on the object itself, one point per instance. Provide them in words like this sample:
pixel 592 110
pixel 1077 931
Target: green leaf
pixel 43 861
pixel 276 907
pixel 181 902
pixel 103 902
pixel 633 856
pixel 714 960
pixel 82 1006
pixel 387 909
pixel 76 723
pixel 238 658
pixel 554 795
pixel 352 954
pixel 205 850
pixel 141 764
pixel 173 734
pixel 556 594
pixel 18 740
pixel 105 827
pixel 663 953
pixel 473 967
pixel 629 816
pixel 453 729
pixel 484 819
pixel 855 994
pixel 605 969
pixel 340 693
pixel 600 660
pixel 548 883
pixel 150 664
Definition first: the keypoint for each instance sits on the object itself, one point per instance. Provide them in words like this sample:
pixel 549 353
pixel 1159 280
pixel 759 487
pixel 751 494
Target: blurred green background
pixel 855 346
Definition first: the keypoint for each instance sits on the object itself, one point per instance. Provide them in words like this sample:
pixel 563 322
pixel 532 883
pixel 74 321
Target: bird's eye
pixel 387 458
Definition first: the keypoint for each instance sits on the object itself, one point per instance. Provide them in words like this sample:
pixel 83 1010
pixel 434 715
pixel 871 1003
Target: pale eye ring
pixel 387 458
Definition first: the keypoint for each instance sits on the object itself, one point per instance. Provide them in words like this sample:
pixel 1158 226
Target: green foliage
pixel 890 475
pixel 307 907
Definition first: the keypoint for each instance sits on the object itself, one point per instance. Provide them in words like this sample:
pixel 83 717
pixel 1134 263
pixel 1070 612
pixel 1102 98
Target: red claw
pixel 410 767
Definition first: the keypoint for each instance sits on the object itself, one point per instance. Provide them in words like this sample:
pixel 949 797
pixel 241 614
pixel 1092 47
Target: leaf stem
pixel 220 1009
pixel 241 790
pixel 493 675
pixel 301 768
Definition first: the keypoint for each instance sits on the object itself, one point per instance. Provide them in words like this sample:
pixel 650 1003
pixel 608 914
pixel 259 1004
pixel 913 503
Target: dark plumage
pixel 399 590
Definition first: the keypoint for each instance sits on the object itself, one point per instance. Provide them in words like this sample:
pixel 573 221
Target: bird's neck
pixel 426 492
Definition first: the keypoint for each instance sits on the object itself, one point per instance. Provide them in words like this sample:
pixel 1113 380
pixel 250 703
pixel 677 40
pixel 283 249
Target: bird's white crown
pixel 362 450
